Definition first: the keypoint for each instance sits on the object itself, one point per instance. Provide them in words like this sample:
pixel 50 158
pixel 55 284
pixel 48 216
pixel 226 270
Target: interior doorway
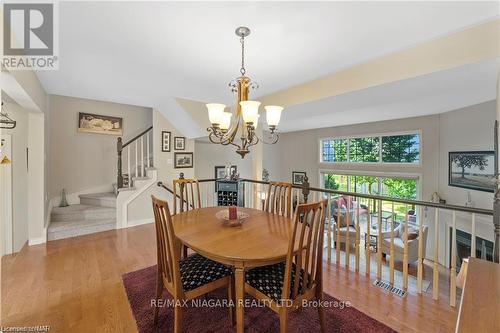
pixel 6 246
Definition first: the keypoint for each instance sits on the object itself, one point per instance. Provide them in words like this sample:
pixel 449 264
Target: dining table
pixel 261 239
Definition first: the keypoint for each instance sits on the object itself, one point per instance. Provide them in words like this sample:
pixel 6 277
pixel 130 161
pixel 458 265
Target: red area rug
pixel 141 285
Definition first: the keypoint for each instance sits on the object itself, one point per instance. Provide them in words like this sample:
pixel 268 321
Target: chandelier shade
pixel 273 114
pixel 250 110
pixel 215 111
pixel 226 129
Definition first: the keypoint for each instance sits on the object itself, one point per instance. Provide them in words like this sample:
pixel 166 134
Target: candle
pixel 233 215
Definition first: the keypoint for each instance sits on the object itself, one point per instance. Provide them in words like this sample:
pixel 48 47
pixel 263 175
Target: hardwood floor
pixel 74 285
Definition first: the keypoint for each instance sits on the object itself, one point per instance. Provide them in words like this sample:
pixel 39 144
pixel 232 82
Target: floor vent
pixel 386 286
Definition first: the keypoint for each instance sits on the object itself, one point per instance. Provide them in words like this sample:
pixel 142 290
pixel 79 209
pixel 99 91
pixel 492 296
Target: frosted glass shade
pixel 273 114
pixel 249 110
pixel 215 111
pixel 256 122
pixel 225 120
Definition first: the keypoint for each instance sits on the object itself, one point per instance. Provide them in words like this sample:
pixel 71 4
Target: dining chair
pixel 186 278
pixel 279 199
pixel 186 194
pixel 284 286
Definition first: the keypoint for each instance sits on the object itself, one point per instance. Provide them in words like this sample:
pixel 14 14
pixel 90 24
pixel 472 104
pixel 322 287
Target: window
pixel 394 187
pixel 334 150
pixel 401 148
pixel 364 150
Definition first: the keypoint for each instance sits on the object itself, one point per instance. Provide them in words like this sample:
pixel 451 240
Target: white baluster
pixel 473 237
pixel 128 167
pixel 453 264
pixel 142 156
pixel 147 150
pixel 136 160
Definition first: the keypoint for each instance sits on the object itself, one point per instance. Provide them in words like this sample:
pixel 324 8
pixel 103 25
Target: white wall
pixel 83 161
pixel 209 155
pixel 19 174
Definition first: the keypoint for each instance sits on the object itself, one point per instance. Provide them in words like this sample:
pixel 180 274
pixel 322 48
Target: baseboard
pixel 139 222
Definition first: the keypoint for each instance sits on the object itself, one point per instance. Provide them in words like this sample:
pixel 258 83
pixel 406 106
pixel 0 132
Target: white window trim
pixel 379 135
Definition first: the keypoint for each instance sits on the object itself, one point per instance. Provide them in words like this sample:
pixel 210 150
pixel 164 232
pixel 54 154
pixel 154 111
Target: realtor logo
pixel 29 36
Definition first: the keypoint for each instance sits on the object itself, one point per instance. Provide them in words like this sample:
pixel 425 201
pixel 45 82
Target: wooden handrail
pixel 160 184
pixel 136 137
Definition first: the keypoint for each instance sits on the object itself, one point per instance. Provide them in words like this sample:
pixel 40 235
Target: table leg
pixel 239 277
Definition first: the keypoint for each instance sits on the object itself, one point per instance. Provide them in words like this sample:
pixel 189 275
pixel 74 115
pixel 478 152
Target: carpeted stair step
pixel 67 229
pixel 81 213
pixel 106 199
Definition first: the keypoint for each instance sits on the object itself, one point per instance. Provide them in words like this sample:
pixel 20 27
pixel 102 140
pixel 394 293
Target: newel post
pixel 119 148
pixel 305 188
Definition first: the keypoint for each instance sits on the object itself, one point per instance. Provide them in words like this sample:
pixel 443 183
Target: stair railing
pixel 133 148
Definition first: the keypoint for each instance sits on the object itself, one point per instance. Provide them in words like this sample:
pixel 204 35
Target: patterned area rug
pixel 208 313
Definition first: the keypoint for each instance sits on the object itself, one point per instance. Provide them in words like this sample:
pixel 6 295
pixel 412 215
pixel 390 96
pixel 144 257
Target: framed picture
pixel 298 177
pixel 99 124
pixel 179 143
pixel 165 141
pixel 220 171
pixel 472 169
pixel 183 160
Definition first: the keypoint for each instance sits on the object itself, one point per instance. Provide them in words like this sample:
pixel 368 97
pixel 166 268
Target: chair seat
pixel 197 270
pixel 269 280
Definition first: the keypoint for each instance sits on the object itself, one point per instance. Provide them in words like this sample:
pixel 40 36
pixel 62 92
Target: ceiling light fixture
pixel 224 131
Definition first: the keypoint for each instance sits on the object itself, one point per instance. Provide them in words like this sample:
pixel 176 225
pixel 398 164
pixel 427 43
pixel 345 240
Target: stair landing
pixel 96 214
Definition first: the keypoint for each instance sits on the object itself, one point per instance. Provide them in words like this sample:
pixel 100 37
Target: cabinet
pixel 230 193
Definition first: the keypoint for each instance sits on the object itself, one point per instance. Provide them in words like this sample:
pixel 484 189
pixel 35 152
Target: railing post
pixel 181 189
pixel 305 189
pixel 119 148
pixel 496 226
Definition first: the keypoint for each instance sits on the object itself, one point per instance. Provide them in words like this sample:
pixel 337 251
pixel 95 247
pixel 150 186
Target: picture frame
pixel 473 170
pixel 183 160
pixel 165 141
pixel 179 143
pixel 99 124
pixel 298 177
pixel 220 171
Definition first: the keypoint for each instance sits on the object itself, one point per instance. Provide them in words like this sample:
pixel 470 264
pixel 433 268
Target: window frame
pixel 380 152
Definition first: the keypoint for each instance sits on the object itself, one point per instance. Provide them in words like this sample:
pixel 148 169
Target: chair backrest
pixel 184 195
pixel 168 248
pixel 279 199
pixel 308 232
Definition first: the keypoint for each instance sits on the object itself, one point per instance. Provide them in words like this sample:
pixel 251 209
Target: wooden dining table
pixel 262 239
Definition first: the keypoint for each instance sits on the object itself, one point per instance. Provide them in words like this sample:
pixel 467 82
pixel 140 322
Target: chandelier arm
pixel 274 138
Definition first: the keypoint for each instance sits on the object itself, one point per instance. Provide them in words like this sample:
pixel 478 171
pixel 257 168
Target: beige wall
pixel 299 151
pixel 139 210
pixel 209 155
pixel 19 174
pixel 82 161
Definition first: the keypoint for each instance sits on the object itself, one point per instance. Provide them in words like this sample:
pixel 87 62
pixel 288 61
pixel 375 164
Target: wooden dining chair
pixel 279 199
pixel 186 194
pixel 185 278
pixel 285 285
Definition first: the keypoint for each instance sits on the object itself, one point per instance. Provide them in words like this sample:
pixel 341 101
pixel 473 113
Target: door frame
pixel 6 196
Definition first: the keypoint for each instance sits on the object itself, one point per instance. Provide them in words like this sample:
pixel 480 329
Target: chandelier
pixel 225 129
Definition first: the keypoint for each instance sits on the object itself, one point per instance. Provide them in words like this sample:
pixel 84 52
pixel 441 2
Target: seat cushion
pixel 269 280
pixel 197 270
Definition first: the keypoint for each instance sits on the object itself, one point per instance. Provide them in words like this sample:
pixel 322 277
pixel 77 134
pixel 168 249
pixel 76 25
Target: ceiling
pixel 158 54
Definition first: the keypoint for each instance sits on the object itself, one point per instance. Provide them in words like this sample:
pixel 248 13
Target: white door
pixel 5 195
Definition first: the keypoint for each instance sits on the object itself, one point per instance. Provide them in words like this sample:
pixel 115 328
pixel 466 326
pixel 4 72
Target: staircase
pixel 98 211
pixel 95 213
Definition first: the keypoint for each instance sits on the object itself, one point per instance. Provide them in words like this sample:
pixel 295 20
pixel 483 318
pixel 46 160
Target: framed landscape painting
pixel 183 160
pixel 99 124
pixel 474 170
